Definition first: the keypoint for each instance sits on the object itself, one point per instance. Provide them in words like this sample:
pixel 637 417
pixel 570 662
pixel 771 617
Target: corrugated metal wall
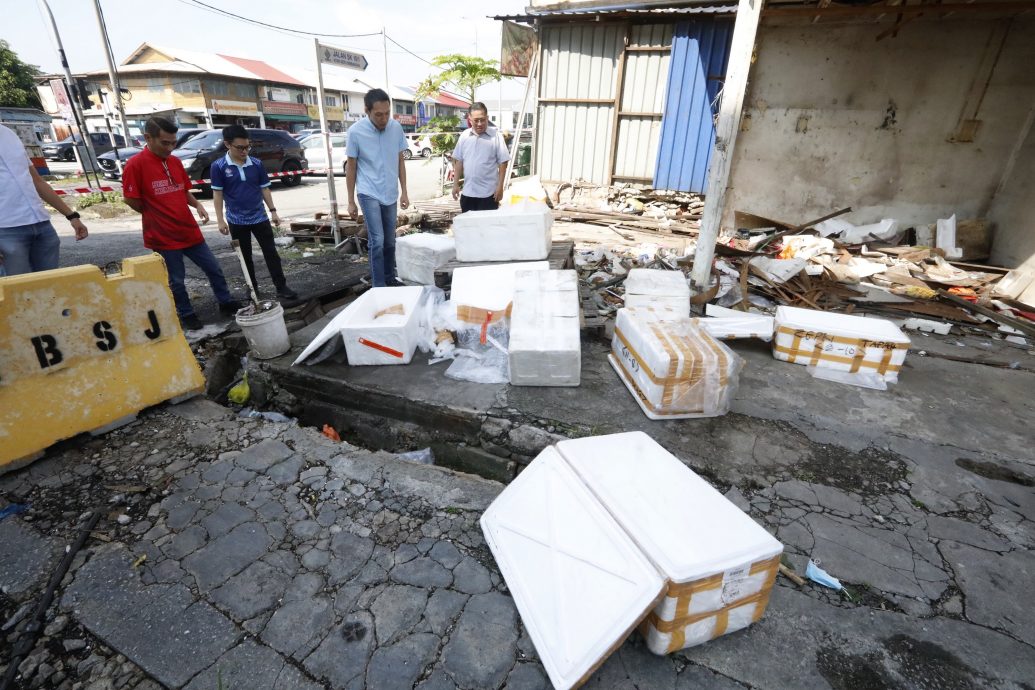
pixel 700 52
pixel 643 97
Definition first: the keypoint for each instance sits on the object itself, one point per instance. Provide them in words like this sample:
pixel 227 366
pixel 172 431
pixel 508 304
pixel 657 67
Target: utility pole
pixel 388 84
pixel 113 76
pixel 77 113
pixel 332 195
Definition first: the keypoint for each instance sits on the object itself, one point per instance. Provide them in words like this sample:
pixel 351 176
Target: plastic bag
pixel 479 362
pixel 431 302
pixel 424 456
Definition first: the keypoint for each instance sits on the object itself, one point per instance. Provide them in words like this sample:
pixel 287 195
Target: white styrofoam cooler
pixel 483 294
pixel 385 339
pixel 840 342
pixel 510 233
pixel 674 369
pixel 579 582
pixel 730 324
pixel 653 287
pixel 545 346
pixel 558 533
pixel 418 255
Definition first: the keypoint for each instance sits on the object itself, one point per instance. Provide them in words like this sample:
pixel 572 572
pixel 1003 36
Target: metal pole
pixel 388 84
pixel 331 194
pixel 113 75
pixel 80 121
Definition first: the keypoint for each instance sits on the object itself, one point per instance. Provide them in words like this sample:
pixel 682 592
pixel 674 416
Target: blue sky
pixel 421 26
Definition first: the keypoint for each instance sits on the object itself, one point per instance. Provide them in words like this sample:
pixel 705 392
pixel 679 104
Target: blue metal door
pixel 700 51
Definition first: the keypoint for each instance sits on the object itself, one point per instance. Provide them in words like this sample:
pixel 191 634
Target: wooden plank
pixel 633 113
pixel 619 86
pixel 878 10
pixel 649 49
pixel 576 101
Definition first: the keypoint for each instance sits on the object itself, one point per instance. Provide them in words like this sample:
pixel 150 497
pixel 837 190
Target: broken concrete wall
pixel 833 118
pixel 1013 208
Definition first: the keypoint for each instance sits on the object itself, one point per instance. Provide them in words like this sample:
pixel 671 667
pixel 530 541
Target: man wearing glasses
pixel 155 185
pixel 240 181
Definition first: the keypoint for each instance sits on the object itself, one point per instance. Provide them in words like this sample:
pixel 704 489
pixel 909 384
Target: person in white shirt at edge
pixel 480 161
pixel 28 241
pixel 376 169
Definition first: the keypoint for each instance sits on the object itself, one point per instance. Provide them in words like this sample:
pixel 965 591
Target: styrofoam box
pixel 730 324
pixel 387 339
pixel 719 563
pixel 417 256
pixel 510 233
pixel 653 287
pixel 478 290
pixel 673 369
pixel 545 346
pixel 579 582
pixel 840 341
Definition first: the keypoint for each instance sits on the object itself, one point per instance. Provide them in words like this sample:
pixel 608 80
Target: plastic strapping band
pixel 382 348
pixel 485 327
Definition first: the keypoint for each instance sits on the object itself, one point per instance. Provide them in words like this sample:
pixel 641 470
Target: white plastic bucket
pixel 266 332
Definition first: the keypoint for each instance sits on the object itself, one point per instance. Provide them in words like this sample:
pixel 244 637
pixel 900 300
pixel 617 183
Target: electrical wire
pixel 275 27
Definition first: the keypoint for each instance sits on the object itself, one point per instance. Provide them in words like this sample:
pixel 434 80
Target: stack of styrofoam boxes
pixel 652 287
pixel 673 368
pixel 510 233
pixel 483 294
pixel 545 349
pixel 840 342
pixel 598 534
pixel 417 256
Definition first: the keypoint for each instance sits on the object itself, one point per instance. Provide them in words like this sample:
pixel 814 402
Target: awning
pixel 286 118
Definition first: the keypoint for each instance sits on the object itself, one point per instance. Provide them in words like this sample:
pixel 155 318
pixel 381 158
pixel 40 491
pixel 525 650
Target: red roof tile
pixel 262 70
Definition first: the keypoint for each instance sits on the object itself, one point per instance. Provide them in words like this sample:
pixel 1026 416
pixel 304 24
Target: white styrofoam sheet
pixel 731 324
pixel 509 233
pixel 687 528
pixel 654 287
pixel 489 287
pixel 418 255
pixel 578 580
pixel 545 345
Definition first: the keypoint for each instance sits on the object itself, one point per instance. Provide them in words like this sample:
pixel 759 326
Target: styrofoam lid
pixel 490 286
pixel 687 528
pixel 430 240
pixel 848 325
pixel 579 582
pixel 656 281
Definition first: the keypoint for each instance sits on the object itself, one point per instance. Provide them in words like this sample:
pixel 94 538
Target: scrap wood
pixel 1026 328
pixel 798 228
pixel 791 575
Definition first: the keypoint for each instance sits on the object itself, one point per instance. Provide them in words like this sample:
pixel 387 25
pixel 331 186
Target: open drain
pixel 990 470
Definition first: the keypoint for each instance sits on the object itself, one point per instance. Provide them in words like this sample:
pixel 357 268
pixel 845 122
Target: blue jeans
pixel 380 223
pixel 28 248
pixel 203 258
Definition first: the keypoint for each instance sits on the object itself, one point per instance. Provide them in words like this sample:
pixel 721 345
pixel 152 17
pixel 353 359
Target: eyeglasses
pixel 242 149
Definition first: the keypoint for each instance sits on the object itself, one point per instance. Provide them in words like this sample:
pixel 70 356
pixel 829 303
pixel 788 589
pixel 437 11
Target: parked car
pixel 111 169
pixel 419 145
pixel 277 150
pixel 63 150
pixel 316 151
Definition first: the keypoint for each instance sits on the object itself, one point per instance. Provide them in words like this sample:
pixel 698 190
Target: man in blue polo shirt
pixel 240 181
pixel 375 168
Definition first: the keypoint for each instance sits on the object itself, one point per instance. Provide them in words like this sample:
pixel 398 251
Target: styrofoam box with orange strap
pixel 600 535
pixel 674 369
pixel 510 233
pixel 545 347
pixel 483 294
pixel 840 341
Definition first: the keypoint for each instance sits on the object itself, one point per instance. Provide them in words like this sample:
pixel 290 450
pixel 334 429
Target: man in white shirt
pixel 479 164
pixel 28 241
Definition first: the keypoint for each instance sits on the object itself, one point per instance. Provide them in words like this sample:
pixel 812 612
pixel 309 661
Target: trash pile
pixel 631 207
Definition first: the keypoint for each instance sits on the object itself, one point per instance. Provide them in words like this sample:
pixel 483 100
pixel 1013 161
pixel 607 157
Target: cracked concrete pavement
pixel 262 555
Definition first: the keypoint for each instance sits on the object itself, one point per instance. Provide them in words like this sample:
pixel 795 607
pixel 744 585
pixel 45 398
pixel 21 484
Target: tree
pixel 17 80
pixel 443 132
pixel 464 72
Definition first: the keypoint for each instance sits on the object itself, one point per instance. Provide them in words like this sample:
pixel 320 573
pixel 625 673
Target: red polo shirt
pixel 162 185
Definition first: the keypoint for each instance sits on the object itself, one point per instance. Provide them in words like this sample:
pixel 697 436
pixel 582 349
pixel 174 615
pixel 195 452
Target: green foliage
pixel 464 72
pixel 17 80
pixel 444 139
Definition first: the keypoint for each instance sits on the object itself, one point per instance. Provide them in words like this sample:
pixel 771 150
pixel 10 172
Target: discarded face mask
pixel 817 574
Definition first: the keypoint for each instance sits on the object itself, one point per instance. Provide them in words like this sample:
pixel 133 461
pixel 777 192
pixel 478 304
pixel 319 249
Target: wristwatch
pixel 273 210
pixel 73 215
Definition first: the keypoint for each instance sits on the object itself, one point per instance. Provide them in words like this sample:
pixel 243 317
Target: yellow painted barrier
pixel 80 350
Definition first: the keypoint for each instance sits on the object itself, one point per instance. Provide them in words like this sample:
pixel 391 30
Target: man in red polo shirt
pixel 155 185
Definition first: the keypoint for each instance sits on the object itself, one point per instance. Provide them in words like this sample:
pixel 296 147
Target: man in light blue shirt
pixel 376 170
pixel 480 160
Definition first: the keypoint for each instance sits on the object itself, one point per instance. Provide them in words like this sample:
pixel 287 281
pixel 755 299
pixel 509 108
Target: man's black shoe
pixel 232 307
pixel 191 322
pixel 286 293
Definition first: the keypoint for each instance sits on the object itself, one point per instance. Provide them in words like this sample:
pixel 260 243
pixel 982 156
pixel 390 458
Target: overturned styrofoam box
pixel 380 327
pixel 545 347
pixel 483 294
pixel 509 233
pixel 719 563
pixel 840 341
pixel 673 369
pixel 579 582
pixel 653 287
pixel 730 324
pixel 417 256
pixel 571 535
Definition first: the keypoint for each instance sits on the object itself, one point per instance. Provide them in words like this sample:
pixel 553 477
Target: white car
pixel 419 146
pixel 316 151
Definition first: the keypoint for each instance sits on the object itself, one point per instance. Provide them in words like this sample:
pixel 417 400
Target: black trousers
pixel 264 235
pixel 477 203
